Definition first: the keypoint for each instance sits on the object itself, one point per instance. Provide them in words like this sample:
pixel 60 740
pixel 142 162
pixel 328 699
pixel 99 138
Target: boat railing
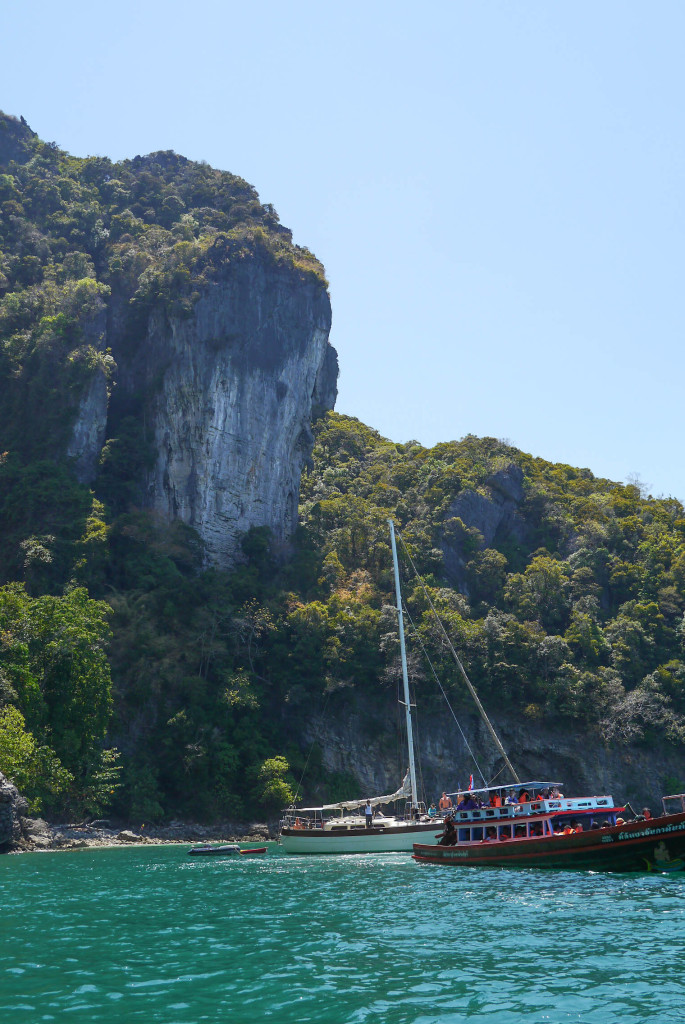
pixel 293 817
pixel 414 811
pixel 674 804
pixel 535 807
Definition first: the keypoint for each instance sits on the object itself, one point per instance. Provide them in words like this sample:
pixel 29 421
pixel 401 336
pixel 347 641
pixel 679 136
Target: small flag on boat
pixel 470 781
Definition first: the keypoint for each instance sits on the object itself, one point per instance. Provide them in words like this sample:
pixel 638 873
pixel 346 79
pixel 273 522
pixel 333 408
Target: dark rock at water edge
pixel 13 807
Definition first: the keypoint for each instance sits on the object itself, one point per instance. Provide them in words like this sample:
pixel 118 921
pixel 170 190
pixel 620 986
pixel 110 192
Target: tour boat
pixel 555 832
pixel 321 830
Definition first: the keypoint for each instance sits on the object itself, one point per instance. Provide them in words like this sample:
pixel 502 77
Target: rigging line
pixel 460 666
pixel 417 743
pixel 447 700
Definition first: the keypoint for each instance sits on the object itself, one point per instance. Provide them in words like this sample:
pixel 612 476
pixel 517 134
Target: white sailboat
pixel 319 830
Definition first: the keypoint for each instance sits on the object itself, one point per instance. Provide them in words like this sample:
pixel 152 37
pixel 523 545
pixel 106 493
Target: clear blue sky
pixel 495 189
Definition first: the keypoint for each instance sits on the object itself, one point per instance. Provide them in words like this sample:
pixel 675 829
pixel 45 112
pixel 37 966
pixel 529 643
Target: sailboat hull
pixel 396 839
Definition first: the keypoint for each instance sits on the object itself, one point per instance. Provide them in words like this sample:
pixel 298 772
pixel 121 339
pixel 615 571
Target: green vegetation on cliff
pixel 563 593
pixel 82 240
pixel 574 608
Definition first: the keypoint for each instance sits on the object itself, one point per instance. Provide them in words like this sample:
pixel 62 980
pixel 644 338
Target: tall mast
pixel 462 669
pixel 405 678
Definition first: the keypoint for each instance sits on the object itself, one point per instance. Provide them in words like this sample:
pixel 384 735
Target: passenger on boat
pixel 468 803
pixel 536 830
pixel 647 813
pixel 495 800
pixel 578 826
pixel 505 832
pixel 606 824
pixel 490 834
pixel 298 823
pixel 555 794
pixel 523 797
pixel 449 836
pixel 432 810
pixel 568 830
pixel 510 798
pixel 368 813
pixel 445 802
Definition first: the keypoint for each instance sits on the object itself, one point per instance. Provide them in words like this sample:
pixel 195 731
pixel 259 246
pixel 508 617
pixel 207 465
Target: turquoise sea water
pixel 152 935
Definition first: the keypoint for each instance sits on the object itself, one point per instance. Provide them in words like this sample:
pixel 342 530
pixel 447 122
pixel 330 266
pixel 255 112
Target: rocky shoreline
pixel 20 833
pixel 37 835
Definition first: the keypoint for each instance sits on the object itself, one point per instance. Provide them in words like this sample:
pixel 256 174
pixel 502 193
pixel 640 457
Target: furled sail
pixel 404 792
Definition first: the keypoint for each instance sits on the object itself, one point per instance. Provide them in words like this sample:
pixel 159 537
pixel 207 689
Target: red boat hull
pixel 255 849
pixel 654 845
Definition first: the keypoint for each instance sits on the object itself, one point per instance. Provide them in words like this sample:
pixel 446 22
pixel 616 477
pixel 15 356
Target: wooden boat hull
pixel 654 845
pixel 399 839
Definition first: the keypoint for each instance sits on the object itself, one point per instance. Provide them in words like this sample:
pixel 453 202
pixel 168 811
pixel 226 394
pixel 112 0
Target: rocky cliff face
pixel 230 397
pixel 90 429
pixel 492 512
pixel 227 396
pixel 355 742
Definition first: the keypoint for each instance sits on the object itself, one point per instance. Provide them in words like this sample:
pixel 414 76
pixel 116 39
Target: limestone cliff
pixel 89 430
pixel 492 512
pixel 178 313
pixel 228 396
pixel 355 742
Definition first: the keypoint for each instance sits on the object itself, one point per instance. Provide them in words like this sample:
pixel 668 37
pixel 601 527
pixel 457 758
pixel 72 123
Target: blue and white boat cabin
pixel 526 810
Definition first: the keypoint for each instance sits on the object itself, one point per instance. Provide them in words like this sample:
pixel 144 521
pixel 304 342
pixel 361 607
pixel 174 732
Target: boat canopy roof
pixel 518 786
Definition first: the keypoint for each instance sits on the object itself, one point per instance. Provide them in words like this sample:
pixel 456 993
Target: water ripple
pixel 147 934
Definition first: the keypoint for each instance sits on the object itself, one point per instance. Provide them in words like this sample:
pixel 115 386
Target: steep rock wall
pixel 227 396
pixel 493 513
pixel 356 740
pixel 89 430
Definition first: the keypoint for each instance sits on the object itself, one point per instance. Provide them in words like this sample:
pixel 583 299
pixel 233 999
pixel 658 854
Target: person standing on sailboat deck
pixel 445 802
pixel 368 811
